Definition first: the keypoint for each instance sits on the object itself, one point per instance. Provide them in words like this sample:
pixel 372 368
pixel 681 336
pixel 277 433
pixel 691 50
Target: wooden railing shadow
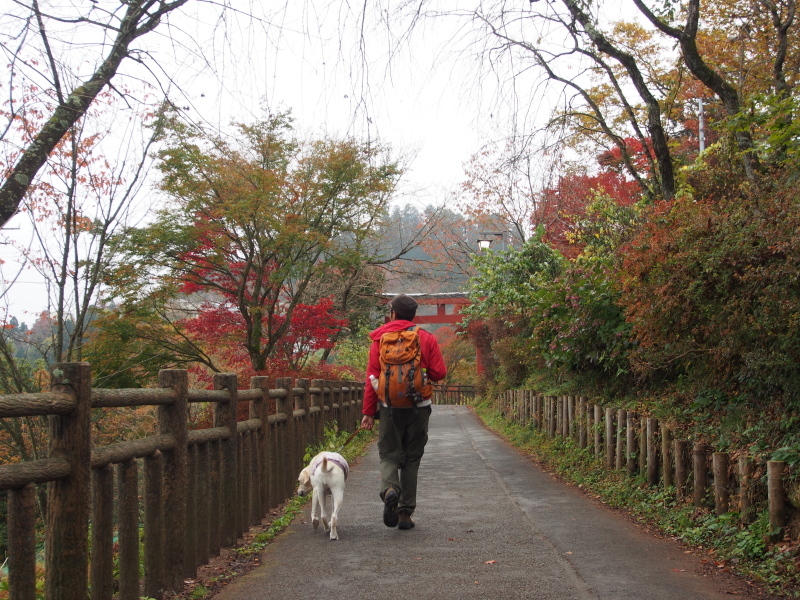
pixel 197 491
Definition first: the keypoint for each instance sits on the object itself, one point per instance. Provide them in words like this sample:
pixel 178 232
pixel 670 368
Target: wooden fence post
pixel 571 416
pixel 192 498
pixel 102 567
pixel 643 449
pixel 681 461
pixel 776 498
pixel 598 430
pixel 610 438
pixel 720 463
pixel 172 421
pixel 215 535
pixel 589 426
pixel 259 409
pixel 622 421
pixel 666 456
pixel 67 545
pixel 700 468
pixel 153 527
pixel 304 404
pixel 318 401
pixel 630 435
pixel 22 543
pixel 128 528
pixel 652 452
pixel 582 422
pixel 203 508
pixel 286 406
pixel 225 415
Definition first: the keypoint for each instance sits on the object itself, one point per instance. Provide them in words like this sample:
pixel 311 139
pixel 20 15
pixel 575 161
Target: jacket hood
pixel 389 327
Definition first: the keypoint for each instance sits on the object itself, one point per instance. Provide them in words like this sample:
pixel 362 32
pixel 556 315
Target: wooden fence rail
pixel 200 490
pixel 453 394
pixel 624 440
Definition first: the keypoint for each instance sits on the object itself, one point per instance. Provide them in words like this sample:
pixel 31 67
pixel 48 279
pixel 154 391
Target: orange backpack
pixel 402 382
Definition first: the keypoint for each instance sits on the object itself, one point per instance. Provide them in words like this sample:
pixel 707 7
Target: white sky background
pixel 428 97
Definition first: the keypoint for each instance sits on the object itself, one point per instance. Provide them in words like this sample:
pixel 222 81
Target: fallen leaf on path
pixel 491 562
pixel 570 552
pixel 417 558
pixel 679 570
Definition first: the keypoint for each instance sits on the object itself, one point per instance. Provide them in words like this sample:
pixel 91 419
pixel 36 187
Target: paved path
pixel 490 524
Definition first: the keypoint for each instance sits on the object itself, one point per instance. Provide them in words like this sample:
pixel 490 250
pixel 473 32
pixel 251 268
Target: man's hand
pixel 367 422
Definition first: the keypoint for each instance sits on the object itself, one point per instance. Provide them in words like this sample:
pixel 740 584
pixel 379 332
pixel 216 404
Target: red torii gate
pixel 441 301
pixel 456 300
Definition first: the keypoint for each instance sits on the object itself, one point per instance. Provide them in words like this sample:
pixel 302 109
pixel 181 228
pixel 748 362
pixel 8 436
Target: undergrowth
pixel 744 549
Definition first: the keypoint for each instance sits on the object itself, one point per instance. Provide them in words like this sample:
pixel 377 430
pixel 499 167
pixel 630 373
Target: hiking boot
pixel 390 499
pixel 404 520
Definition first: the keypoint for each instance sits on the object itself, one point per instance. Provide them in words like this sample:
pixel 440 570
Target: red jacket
pixel 431 360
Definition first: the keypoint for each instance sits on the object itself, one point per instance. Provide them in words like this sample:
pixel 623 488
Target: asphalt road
pixel 490 524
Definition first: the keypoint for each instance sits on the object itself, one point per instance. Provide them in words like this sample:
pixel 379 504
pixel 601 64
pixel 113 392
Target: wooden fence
pixel 453 394
pixel 201 488
pixel 639 444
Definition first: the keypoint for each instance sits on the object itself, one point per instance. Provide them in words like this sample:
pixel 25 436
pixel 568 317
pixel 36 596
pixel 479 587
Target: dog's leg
pixel 323 499
pixel 315 495
pixel 337 495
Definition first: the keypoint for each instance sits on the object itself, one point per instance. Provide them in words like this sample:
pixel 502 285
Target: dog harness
pixel 342 464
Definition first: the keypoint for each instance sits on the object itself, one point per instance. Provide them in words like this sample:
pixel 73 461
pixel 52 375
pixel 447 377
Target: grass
pixel 742 549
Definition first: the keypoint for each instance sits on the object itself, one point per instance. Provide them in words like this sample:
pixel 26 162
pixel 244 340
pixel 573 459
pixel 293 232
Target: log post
pixel 245 459
pixel 172 421
pixel 622 420
pixel 681 473
pixel 666 456
pixel 700 468
pixel 630 434
pixel 539 400
pixel 101 574
pixel 225 416
pixel 192 498
pixel 610 438
pixel 643 449
pixel 215 504
pixel 286 406
pixel 203 507
pixel 22 543
pixel 571 416
pixel 776 499
pixel 128 527
pixel 745 495
pixel 720 461
pixel 67 543
pixel 598 430
pixel 652 452
pixel 259 409
pixel 590 427
pixel 582 422
pixel 153 528
pixel 318 401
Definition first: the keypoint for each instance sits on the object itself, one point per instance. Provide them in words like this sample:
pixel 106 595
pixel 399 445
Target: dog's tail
pixel 324 466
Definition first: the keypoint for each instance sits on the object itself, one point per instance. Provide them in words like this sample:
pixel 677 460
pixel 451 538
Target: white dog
pixel 325 475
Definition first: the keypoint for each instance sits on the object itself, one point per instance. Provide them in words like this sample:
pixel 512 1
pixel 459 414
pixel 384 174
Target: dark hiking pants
pixel 401 444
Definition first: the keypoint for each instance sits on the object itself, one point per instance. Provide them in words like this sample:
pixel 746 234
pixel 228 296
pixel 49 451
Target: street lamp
pixel 485 239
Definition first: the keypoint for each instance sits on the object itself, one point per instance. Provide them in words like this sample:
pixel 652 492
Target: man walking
pixel 399 391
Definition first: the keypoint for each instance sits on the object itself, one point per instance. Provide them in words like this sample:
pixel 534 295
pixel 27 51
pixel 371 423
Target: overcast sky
pixel 419 96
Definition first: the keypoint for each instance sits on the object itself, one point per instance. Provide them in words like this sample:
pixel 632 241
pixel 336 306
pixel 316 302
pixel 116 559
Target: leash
pixel 352 435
